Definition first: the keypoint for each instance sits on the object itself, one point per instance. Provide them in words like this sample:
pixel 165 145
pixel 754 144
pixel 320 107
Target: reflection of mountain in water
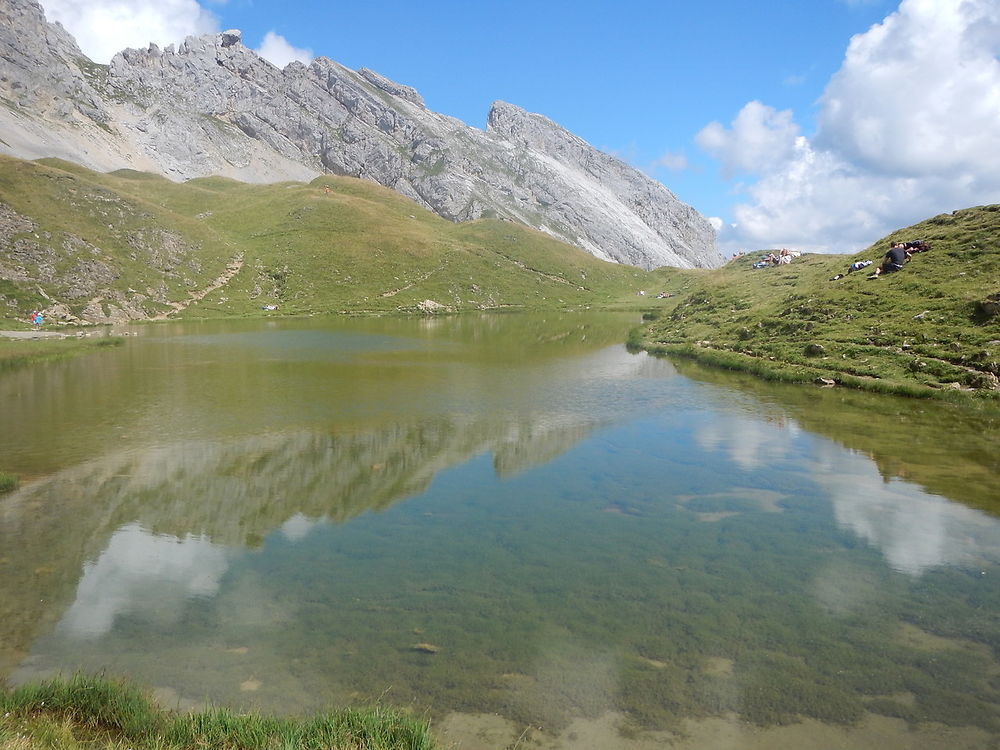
pixel 230 493
pixel 235 490
pixel 192 501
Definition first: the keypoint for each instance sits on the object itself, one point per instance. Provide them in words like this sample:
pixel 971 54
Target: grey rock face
pixel 213 106
pixel 42 70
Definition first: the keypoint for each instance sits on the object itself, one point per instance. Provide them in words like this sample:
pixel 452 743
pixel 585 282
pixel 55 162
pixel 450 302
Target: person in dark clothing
pixel 893 260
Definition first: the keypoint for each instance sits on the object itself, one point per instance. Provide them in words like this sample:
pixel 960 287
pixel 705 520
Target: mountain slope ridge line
pixel 211 106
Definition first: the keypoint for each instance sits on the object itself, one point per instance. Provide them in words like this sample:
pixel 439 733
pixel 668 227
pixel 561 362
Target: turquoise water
pixel 500 515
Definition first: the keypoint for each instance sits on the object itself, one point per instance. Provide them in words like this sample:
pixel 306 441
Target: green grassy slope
pixel 919 331
pixel 80 244
pixel 132 241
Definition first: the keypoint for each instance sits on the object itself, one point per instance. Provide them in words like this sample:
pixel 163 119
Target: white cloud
pixel 673 162
pixel 103 27
pixel 277 51
pixel 760 138
pixel 749 443
pixel 919 94
pixel 908 128
pixel 297 527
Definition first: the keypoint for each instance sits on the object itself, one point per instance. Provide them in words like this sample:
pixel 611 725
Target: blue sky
pixel 766 117
pixel 636 79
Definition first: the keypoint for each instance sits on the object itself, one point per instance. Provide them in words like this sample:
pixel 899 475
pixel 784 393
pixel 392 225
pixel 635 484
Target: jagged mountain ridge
pixel 213 106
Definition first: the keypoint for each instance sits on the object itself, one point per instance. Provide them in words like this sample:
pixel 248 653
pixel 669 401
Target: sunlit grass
pixel 335 245
pixel 98 713
pixel 918 332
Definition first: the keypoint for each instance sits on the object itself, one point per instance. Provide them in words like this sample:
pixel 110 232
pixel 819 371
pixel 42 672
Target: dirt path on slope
pixel 234 266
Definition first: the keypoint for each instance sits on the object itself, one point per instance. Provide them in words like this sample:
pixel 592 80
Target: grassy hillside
pixel 93 247
pixel 128 245
pixel 921 331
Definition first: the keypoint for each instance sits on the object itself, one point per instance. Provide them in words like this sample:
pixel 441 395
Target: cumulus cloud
pixel 104 27
pixel 907 129
pixel 277 51
pixel 760 138
pixel 919 94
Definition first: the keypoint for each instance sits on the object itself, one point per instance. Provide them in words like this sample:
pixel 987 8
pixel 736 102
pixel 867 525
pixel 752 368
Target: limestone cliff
pixel 213 106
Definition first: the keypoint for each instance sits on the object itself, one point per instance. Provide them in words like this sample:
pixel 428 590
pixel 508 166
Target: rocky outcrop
pixel 42 70
pixel 989 307
pixel 213 106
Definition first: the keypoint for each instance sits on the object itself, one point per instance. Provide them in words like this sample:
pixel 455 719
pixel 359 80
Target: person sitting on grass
pixel 893 260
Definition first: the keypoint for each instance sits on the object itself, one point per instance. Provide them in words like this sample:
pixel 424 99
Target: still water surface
pixel 502 522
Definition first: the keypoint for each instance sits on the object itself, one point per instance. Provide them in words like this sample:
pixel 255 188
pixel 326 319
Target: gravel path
pixel 33 335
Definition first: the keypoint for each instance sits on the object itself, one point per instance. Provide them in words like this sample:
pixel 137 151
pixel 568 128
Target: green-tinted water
pixel 495 515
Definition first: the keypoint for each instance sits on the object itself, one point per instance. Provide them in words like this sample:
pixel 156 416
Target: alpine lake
pixel 508 524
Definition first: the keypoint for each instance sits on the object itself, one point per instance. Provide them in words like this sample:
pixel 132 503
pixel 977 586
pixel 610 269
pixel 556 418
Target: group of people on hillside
pixel 783 257
pixel 894 260
pixel 898 255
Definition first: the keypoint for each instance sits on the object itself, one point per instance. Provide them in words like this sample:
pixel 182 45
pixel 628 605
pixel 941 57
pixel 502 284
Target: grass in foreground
pixel 99 713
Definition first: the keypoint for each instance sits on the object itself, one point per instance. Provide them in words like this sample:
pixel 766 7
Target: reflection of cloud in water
pixel 296 527
pixel 139 573
pixel 915 531
pixel 749 443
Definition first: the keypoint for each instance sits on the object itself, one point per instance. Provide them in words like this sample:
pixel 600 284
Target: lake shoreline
pixel 795 374
pixel 64 713
pixel 25 348
pixel 100 712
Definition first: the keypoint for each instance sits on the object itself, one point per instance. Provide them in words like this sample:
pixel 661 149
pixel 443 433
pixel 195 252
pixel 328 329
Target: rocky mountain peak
pixel 391 87
pixel 213 106
pixel 231 37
